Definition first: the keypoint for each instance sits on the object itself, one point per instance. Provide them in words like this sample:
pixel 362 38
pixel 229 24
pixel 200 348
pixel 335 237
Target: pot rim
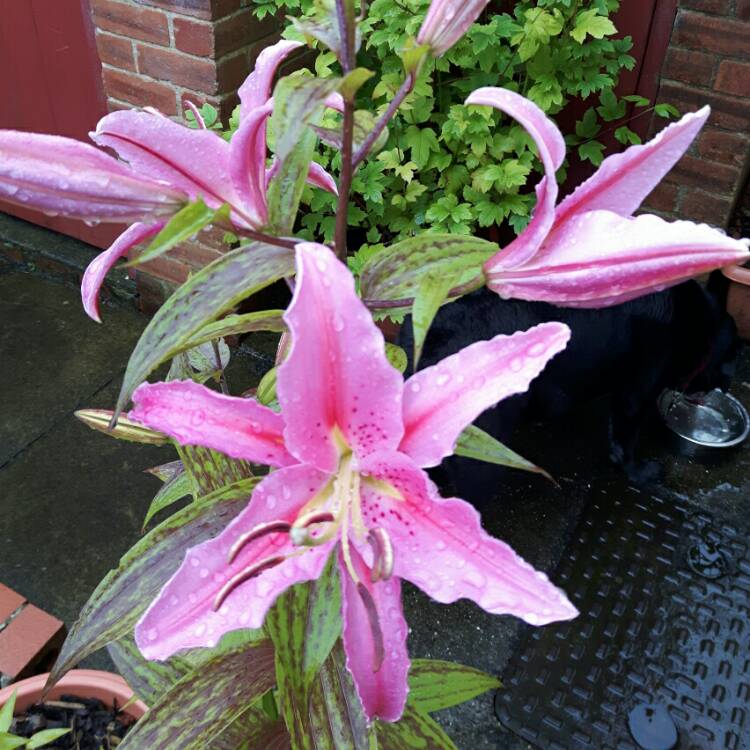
pixel 88 683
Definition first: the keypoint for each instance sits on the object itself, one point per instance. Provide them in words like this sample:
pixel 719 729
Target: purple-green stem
pixel 387 116
pixel 261 237
pixel 391 304
pixel 347 31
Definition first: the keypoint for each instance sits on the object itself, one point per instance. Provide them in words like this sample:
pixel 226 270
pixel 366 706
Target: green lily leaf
pixel 266 392
pixel 397 357
pixel 474 442
pixel 181 227
pixel 394 273
pixel 6 712
pixel 214 290
pixel 414 731
pixel 233 325
pixel 121 598
pixel 45 737
pixel 10 741
pixel 207 701
pixel 432 292
pixel 170 492
pixel 435 685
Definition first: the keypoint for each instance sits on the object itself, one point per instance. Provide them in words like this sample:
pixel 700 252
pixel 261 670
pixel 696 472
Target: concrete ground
pixel 72 500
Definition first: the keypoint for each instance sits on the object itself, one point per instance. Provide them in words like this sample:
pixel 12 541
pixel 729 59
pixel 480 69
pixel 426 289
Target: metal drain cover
pixel 664 596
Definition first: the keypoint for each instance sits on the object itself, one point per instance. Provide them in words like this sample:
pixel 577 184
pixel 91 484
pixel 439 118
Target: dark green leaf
pixel 431 293
pixel 170 492
pixel 476 443
pixel 206 702
pixel 180 228
pixel 435 685
pixel 414 731
pixel 214 290
pixel 121 598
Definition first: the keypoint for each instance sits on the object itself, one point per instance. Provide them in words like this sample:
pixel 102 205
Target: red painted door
pixel 50 82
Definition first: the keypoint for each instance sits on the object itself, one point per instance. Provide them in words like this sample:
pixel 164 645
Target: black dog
pixel 680 338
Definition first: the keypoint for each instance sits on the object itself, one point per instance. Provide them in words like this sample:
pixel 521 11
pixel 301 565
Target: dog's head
pixel 711 344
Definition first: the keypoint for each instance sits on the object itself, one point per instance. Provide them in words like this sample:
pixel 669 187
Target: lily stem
pixel 268 239
pixel 347 23
pixel 407 302
pixel 386 117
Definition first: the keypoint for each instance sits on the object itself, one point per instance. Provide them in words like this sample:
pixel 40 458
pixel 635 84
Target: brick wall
pixel 161 53
pixel 708 62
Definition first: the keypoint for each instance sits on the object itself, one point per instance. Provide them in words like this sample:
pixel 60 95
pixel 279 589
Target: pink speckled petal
pixel 256 89
pixel 382 692
pixel 195 415
pixel 247 164
pixel 182 615
pixel 194 161
pixel 440 546
pixel 551 147
pixel 318 177
pixel 601 258
pixel 63 176
pixel 624 180
pixel 103 263
pixel 440 401
pixel 336 375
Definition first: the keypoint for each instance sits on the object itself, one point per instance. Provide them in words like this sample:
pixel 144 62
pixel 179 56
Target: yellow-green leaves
pixel 590 23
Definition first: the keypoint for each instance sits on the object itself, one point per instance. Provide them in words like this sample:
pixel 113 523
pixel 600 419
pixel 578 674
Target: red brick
pixel 727 111
pixel 27 640
pixel 194 37
pixel 167 268
pixel 743 10
pixel 210 9
pixel 232 71
pixel 663 198
pixel 197 254
pixel 722 7
pixel 689 66
pixel 734 77
pixel 700 173
pixel 115 51
pixel 134 89
pixel 726 148
pixel 725 36
pixel 10 601
pixel 698 205
pixel 130 21
pixel 183 70
pixel 241 30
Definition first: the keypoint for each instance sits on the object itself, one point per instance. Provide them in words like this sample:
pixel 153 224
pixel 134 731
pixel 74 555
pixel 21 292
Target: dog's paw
pixel 644 473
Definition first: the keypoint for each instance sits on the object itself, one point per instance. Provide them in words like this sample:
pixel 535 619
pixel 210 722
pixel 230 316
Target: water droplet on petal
pixel 153 634
pixel 270 502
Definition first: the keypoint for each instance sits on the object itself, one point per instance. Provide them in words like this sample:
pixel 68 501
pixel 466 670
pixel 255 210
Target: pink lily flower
pixel 349 446
pixel 447 21
pixel 590 251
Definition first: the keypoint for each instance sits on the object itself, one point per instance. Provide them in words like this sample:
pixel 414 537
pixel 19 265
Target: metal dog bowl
pixel 705 420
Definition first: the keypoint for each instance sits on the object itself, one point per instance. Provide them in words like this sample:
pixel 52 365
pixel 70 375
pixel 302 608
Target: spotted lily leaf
pixel 395 272
pixel 435 685
pixel 213 291
pixel 169 493
pixel 184 719
pixel 123 595
pixel 234 325
pixel 414 731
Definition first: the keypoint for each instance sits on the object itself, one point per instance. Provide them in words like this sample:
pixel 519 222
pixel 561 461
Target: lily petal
pixel 383 690
pixel 256 89
pixel 194 161
pixel 440 546
pixel 182 616
pixel 623 180
pixel 248 163
pixel 336 377
pixel 195 415
pixel 551 147
pixel 103 263
pixel 601 258
pixel 440 401
pixel 447 21
pixel 63 176
pixel 318 177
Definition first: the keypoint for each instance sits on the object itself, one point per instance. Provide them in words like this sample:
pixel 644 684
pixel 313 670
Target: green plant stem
pixel 387 116
pixel 345 14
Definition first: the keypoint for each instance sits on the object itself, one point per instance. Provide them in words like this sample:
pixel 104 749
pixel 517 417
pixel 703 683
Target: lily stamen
pixel 263 529
pixel 251 571
pixel 374 621
pixel 382 550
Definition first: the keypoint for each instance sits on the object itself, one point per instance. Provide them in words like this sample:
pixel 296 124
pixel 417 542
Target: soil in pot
pixel 93 725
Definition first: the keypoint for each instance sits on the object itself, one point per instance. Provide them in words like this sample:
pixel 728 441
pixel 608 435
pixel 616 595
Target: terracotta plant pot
pixel 85 683
pixel 738 298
